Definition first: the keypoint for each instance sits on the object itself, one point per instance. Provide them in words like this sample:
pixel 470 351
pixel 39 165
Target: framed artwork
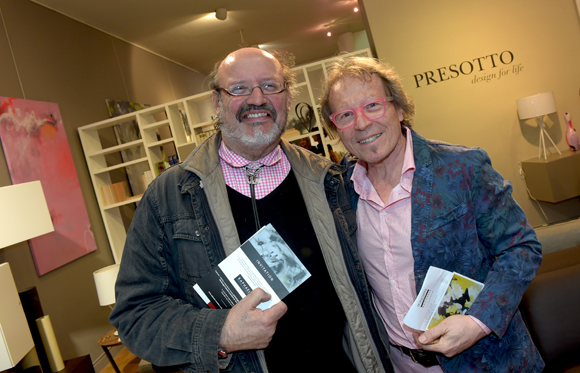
pixel 36 148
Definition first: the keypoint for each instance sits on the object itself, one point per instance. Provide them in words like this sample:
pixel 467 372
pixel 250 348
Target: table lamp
pixel 105 279
pixel 23 215
pixel 537 106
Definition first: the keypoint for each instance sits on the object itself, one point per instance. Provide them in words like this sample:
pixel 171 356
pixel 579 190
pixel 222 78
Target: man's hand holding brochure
pixel 251 282
pixel 264 261
pixel 442 295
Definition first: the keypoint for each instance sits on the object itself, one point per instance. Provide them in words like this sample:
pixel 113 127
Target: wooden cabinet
pixel 555 179
pixel 119 171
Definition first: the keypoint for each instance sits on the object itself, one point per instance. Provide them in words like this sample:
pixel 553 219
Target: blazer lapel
pixel 420 204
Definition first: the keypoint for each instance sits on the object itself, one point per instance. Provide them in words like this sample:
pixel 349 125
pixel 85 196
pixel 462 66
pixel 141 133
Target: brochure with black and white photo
pixel 443 294
pixel 264 261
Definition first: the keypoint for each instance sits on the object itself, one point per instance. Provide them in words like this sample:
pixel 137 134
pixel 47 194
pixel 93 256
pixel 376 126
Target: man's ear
pixel 400 114
pixel 215 100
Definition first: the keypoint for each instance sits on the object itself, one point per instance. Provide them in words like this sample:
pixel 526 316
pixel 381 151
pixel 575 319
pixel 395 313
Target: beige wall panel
pixel 186 82
pixel 544 38
pixel 144 75
pixel 9 85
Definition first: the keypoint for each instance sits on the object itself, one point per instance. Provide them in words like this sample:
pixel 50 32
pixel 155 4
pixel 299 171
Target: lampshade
pixel 23 213
pixel 15 338
pixel 105 279
pixel 536 105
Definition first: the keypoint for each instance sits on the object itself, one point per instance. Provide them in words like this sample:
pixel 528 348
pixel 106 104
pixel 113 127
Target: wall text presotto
pixel 482 69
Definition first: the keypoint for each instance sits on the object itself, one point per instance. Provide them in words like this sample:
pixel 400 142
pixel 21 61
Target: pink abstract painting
pixel 36 148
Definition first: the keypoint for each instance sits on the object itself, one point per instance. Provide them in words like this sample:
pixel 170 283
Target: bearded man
pixel 194 215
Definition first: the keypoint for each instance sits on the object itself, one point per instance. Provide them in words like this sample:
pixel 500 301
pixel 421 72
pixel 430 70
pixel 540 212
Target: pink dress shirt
pixel 276 168
pixel 384 241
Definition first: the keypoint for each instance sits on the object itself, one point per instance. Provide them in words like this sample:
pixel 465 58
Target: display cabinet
pixel 166 134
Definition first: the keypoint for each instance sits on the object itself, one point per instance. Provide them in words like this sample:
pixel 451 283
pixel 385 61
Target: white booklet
pixel 443 294
pixel 264 261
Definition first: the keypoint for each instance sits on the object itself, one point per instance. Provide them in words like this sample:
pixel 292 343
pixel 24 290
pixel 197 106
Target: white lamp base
pixel 542 144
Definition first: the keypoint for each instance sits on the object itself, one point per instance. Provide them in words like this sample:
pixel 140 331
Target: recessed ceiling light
pixel 355 9
pixel 329 33
pixel 221 14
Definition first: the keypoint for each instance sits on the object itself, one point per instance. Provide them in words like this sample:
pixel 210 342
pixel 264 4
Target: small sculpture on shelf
pixel 305 115
pixel 571 134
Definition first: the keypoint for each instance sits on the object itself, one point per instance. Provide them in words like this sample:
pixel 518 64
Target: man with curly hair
pixel 423 203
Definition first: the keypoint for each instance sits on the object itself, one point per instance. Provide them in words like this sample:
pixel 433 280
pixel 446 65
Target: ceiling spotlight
pixel 221 14
pixel 355 9
pixel 329 33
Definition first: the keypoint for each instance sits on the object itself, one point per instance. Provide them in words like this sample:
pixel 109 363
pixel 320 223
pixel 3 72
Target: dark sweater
pixel 308 337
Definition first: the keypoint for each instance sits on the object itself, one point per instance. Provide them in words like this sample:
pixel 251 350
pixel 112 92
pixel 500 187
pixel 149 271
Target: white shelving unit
pixel 164 133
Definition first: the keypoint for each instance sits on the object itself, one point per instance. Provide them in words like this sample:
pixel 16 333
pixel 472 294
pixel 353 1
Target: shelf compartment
pixel 104 135
pixel 160 155
pixel 116 157
pixel 184 150
pixel 117 220
pixel 121 165
pixel 150 116
pixel 199 109
pixel 158 132
pixel 182 131
pixel 116 148
pixel 128 201
pixel 156 125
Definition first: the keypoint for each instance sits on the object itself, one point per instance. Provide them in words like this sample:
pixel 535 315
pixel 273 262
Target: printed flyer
pixel 264 261
pixel 443 294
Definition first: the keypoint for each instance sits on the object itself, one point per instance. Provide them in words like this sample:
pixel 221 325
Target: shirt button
pixel 393 282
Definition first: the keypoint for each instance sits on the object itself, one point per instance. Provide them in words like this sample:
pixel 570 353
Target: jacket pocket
pixel 193 258
pixel 447 217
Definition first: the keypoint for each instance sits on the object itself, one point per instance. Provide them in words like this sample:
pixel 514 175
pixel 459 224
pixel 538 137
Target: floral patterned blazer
pixel 465 220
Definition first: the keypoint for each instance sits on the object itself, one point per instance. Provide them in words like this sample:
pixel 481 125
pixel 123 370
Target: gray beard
pixel 259 139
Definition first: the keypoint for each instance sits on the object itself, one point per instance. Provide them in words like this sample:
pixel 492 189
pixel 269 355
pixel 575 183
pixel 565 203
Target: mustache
pixel 267 107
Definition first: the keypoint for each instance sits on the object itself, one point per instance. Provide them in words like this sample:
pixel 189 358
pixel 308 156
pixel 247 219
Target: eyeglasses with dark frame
pixel 372 110
pixel 243 90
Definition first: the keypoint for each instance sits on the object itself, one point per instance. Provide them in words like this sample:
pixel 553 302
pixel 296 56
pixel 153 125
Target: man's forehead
pixel 355 81
pixel 250 64
pixel 242 54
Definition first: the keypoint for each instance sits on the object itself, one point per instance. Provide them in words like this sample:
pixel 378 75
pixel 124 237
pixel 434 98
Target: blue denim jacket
pixel 464 219
pixel 183 228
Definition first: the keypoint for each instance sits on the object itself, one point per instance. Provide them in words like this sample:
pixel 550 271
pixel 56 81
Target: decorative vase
pixel 571 134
